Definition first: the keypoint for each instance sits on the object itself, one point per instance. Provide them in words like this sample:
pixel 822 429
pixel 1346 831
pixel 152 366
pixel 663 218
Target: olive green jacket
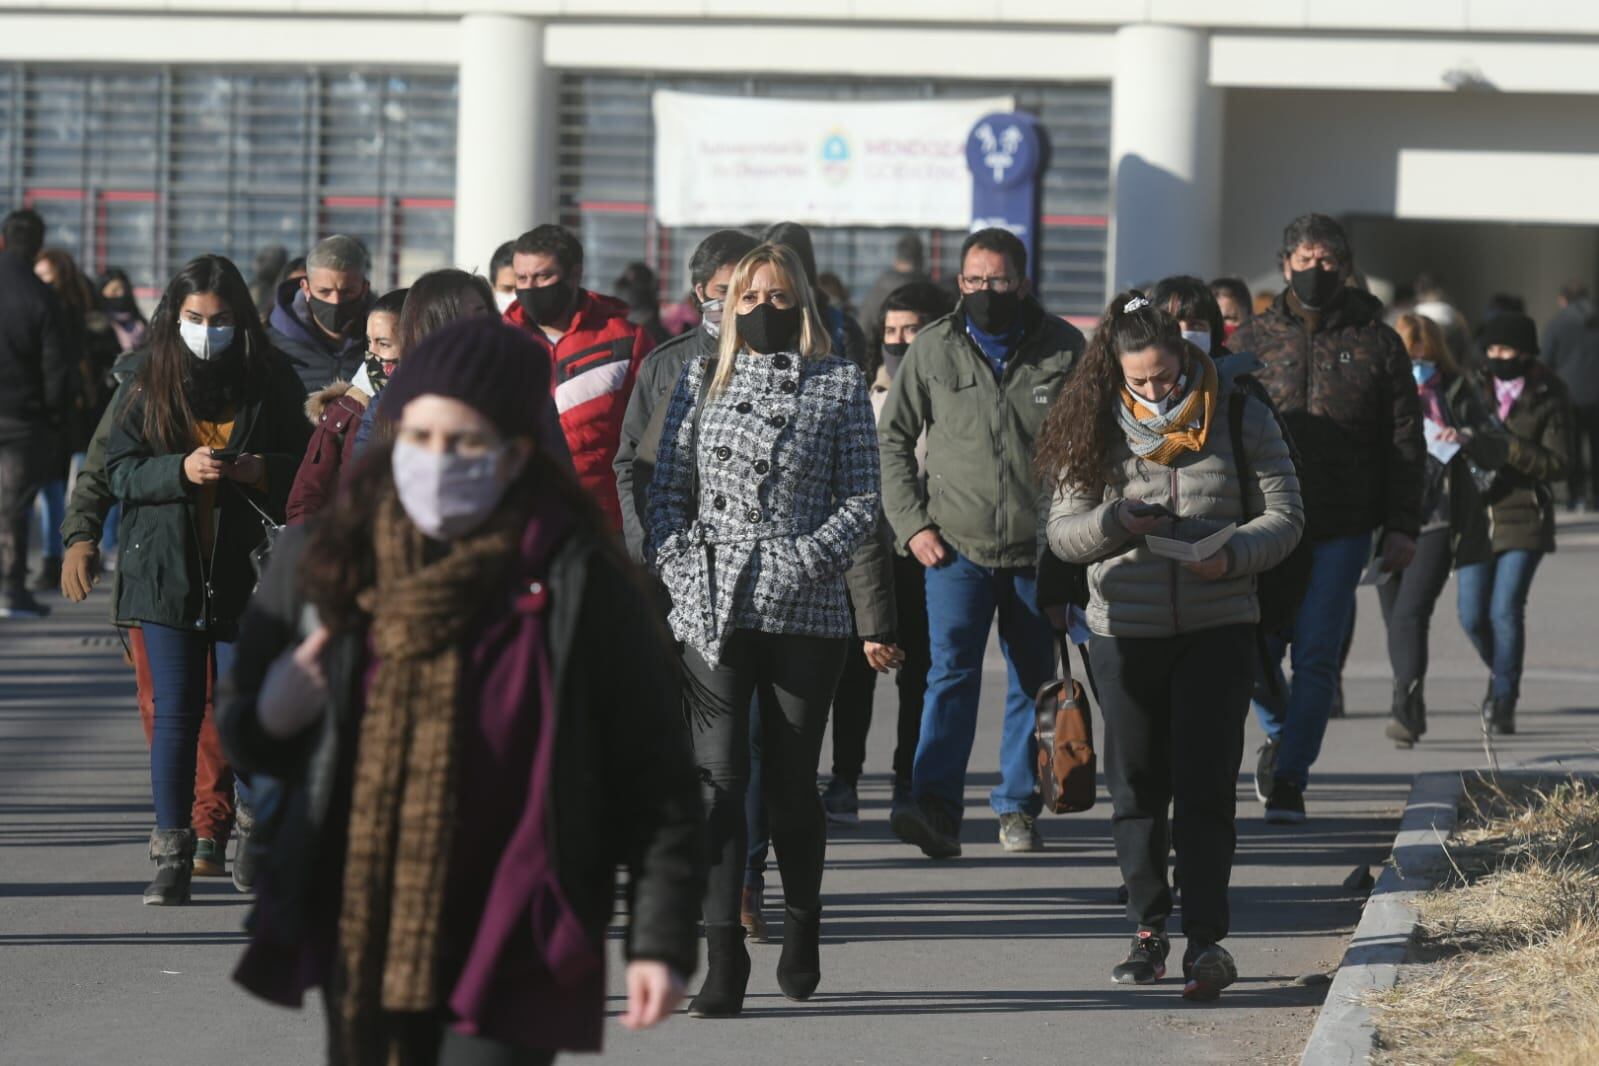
pixel 980 492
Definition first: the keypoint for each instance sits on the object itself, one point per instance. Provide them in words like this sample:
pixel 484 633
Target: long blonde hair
pixel 814 342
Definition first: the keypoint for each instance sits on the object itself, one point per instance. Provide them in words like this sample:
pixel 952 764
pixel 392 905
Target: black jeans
pixel 1407 600
pixel 852 713
pixel 910 605
pixel 1174 733
pixel 1582 473
pixel 24 469
pixel 795 678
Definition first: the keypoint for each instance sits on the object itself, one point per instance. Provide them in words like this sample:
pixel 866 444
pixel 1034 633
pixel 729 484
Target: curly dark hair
pixel 1074 445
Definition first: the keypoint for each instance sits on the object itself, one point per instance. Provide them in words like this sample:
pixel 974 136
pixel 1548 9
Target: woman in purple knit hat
pixel 451 765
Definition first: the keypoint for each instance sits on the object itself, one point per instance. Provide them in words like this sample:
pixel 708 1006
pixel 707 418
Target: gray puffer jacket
pixel 1135 593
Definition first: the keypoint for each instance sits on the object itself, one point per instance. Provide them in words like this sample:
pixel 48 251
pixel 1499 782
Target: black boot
pixel 799 970
pixel 172 851
pixel 1409 720
pixel 727 972
pixel 1499 716
pixel 243 856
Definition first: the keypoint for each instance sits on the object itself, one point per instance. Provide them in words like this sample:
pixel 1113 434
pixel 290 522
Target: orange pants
pixel 213 779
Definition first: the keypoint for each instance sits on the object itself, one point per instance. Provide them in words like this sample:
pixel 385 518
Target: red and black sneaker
pixel 1207 969
pixel 1146 962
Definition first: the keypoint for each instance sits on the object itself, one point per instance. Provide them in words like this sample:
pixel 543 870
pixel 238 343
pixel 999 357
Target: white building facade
pixel 1459 137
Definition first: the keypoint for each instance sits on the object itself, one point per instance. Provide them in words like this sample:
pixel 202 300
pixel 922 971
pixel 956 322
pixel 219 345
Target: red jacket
pixel 595 364
pixel 336 414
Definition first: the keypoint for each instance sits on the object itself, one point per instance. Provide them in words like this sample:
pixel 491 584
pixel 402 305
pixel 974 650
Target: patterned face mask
pixel 711 317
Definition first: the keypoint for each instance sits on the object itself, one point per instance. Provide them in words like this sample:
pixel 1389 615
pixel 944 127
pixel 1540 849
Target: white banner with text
pixel 739 160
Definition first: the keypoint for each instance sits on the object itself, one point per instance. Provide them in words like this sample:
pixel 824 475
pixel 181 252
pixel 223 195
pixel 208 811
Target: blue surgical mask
pixel 1199 338
pixel 206 342
pixel 1423 372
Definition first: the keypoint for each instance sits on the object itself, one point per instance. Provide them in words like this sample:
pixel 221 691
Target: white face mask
pixel 445 494
pixel 711 317
pixel 503 301
pixel 206 342
pixel 1198 338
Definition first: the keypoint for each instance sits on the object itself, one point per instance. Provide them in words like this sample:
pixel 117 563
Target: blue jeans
pixel 962 599
pixel 52 511
pixel 177 680
pixel 1493 612
pixel 1296 716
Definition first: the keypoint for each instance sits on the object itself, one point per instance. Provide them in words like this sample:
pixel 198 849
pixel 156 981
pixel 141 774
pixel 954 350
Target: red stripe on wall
pixel 129 196
pixel 52 194
pixel 430 203
pixel 1076 220
pixel 614 207
pixel 370 202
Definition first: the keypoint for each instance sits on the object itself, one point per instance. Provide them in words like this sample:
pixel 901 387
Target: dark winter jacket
pixel 161 574
pixel 595 363
pixel 885 285
pixel 319 359
pixel 91 489
pixel 1342 382
pixel 38 366
pixel 641 427
pixel 1571 350
pixel 335 414
pixel 624 790
pixel 1451 494
pixel 1520 504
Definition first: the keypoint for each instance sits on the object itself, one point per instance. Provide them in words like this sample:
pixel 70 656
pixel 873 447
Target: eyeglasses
pixel 999 283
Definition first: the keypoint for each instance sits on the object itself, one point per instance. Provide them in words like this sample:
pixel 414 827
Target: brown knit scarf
pixel 402 804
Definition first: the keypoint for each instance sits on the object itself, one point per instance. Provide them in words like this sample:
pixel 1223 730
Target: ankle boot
pixel 244 857
pixel 1500 716
pixel 727 972
pixel 1409 715
pixel 172 851
pixel 799 969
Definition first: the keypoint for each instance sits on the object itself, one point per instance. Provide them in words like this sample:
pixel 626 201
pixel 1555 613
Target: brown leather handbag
pixel 1064 728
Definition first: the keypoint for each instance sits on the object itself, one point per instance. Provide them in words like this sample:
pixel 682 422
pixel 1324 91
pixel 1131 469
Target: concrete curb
pixel 1345 1033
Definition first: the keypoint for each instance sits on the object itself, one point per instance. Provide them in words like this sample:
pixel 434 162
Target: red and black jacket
pixel 594 364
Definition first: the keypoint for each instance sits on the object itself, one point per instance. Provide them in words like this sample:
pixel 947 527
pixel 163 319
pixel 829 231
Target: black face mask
pixel 893 356
pixel 336 318
pixel 768 329
pixel 1508 369
pixel 120 304
pixel 547 303
pixel 1315 287
pixel 991 311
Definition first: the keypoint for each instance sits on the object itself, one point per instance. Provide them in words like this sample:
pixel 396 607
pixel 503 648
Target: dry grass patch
pixel 1512 938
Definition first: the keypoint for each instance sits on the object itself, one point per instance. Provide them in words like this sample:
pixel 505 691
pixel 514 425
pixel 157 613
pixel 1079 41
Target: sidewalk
pixel 991 958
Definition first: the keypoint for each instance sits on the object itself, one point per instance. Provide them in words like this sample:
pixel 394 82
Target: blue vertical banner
pixel 1005 152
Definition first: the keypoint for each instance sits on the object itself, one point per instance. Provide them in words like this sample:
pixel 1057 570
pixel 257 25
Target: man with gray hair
pixel 319 321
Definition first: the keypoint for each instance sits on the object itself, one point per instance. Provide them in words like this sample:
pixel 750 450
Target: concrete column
pixel 1166 148
pixel 505 136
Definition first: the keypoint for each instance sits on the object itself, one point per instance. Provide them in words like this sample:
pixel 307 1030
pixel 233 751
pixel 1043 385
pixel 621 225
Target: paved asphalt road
pixel 990 958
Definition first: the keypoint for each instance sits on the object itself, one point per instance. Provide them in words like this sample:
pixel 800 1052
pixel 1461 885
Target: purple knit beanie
pixel 494 368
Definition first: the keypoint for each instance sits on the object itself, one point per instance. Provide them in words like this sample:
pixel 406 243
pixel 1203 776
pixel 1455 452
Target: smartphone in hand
pixel 225 455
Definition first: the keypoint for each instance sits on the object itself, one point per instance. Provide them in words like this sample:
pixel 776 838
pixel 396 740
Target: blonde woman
pixel 766 481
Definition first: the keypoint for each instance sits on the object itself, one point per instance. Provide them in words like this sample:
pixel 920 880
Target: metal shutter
pixel 147 167
pixel 605 183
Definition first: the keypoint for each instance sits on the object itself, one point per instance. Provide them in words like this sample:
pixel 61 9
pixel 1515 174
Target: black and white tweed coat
pixel 789 487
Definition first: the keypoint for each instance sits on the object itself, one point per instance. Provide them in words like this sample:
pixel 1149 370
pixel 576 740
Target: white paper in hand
pixel 1440 449
pixel 1375 574
pixel 1191 551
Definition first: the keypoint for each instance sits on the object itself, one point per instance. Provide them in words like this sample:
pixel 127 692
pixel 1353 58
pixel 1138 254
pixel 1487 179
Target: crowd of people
pixel 444 603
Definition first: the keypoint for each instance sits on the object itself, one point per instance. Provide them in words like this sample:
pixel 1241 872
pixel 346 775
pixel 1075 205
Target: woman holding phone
pixel 201 458
pixel 1139 444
